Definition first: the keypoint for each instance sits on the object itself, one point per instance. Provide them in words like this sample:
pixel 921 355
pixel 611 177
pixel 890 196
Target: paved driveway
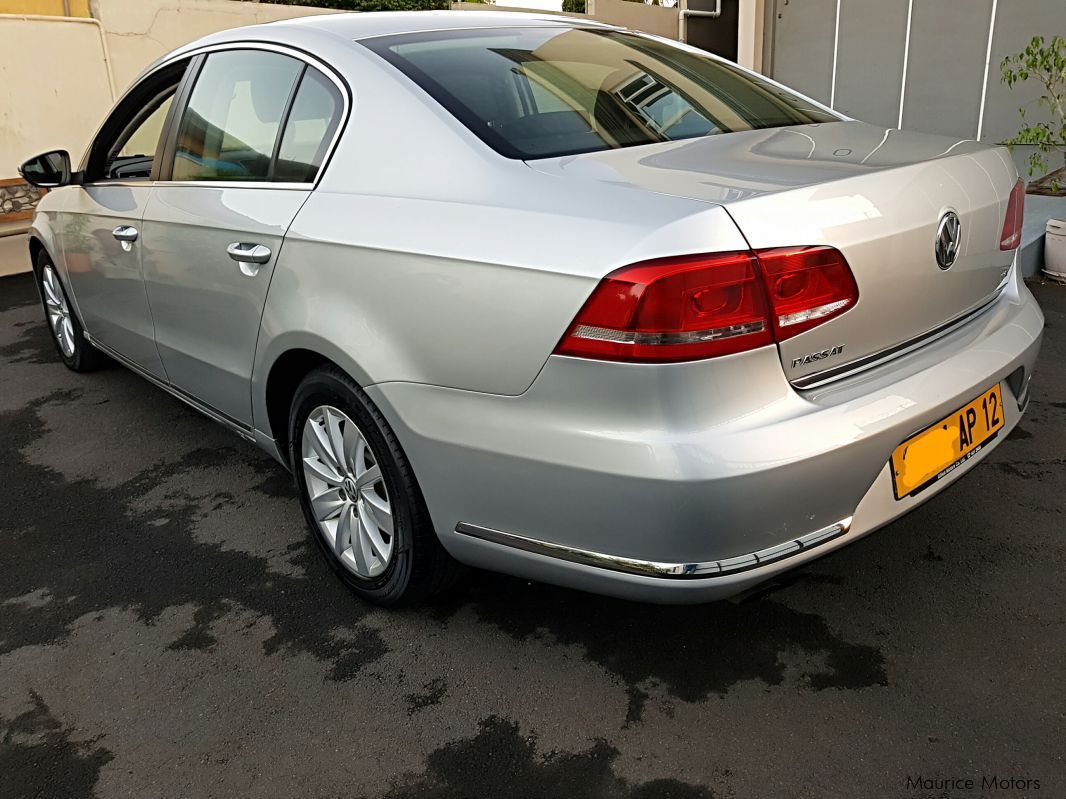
pixel 167 629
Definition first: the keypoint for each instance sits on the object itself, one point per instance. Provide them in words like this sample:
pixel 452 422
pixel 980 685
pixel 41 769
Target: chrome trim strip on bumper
pixel 648 568
pixel 818 379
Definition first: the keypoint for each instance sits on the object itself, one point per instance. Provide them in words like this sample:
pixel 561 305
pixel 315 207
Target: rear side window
pixel 309 129
pixel 231 123
pixel 542 92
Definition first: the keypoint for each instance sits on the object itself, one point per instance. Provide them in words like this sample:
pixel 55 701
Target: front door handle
pixel 126 235
pixel 248 253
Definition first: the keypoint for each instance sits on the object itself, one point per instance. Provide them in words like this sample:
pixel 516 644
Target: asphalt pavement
pixel 168 629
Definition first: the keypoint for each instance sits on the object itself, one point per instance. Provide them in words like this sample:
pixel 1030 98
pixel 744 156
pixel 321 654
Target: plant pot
pixel 1055 250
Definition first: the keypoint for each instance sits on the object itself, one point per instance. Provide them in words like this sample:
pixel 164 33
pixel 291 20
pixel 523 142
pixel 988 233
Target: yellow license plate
pixel 941 448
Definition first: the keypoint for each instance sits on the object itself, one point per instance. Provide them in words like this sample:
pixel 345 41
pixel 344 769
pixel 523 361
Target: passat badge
pixel 821 355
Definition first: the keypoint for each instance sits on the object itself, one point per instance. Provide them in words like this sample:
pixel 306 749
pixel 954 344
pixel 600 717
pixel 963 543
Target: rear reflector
pixel 1011 236
pixel 702 306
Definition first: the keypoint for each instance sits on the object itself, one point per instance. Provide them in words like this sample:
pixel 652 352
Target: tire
pixel 388 552
pixel 67 333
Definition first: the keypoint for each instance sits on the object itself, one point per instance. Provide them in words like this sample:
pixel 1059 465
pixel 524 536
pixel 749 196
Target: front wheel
pixel 360 496
pixel 75 350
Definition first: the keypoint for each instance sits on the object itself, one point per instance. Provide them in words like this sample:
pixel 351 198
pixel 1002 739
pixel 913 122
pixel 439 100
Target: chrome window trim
pixel 248 44
pixel 215 184
pixel 648 568
pixel 236 184
pixel 872 361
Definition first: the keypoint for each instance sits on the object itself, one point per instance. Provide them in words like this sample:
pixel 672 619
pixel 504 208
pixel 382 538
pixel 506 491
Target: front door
pixel 247 149
pixel 99 225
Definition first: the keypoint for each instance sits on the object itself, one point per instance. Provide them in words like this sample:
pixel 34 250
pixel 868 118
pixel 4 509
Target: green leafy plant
pixel 1044 63
pixel 574 6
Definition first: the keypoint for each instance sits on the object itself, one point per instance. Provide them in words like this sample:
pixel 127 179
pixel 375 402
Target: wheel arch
pixel 286 373
pixel 36 247
pixel 280 369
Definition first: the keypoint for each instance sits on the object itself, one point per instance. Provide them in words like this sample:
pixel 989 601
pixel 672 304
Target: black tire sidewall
pixel 331 387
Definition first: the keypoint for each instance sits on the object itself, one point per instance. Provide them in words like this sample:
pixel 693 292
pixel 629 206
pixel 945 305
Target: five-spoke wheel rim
pixel 346 491
pixel 55 302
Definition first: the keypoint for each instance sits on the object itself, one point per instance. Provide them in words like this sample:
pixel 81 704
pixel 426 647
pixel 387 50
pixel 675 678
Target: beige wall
pixel 59 8
pixel 650 19
pixel 140 31
pixel 59 76
pixel 46 104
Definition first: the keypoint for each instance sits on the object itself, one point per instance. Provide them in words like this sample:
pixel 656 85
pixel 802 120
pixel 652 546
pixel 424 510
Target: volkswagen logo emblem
pixel 948 236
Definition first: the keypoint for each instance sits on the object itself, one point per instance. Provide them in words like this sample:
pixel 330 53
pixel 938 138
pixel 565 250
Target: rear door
pixel 243 157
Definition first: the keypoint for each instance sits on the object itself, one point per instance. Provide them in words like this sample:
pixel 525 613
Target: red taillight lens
pixel 1011 236
pixel 673 309
pixel 806 286
pixel 702 306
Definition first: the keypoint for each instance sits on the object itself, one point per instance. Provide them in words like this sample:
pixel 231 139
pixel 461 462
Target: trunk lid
pixel 877 195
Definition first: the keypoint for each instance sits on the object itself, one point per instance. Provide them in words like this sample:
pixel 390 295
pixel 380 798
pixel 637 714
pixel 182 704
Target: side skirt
pixel 243 430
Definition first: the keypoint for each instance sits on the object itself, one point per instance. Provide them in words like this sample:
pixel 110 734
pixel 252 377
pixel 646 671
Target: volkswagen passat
pixel 545 296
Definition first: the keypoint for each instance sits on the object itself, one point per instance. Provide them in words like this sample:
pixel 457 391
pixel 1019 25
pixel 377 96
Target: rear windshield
pixel 542 92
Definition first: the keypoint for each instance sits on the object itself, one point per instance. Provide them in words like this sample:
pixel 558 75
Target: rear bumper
pixel 719 472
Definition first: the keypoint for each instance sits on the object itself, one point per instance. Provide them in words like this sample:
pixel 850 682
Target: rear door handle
pixel 248 253
pixel 126 235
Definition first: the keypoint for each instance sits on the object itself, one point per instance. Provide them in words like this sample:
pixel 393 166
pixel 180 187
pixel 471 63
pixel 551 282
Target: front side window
pixel 133 157
pixel 129 141
pixel 231 123
pixel 541 92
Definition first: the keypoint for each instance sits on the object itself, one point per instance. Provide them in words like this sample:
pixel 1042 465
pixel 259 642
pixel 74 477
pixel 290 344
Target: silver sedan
pixel 545 296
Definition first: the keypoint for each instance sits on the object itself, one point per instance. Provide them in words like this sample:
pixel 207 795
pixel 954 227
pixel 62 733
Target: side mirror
pixel 48 170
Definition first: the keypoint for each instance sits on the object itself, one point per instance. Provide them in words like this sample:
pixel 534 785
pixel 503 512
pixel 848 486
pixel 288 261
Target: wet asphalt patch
pixel 167 628
pixel 499 761
pixel 39 758
pixel 736 642
pixel 107 555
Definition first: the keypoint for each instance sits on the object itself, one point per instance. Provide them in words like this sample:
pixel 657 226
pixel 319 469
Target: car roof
pixel 356 25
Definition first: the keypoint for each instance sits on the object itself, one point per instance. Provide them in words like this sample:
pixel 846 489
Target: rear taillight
pixel 673 309
pixel 702 306
pixel 1011 236
pixel 806 286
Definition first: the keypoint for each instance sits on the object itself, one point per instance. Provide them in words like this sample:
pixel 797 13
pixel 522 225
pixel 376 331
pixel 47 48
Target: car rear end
pixel 857 340
pixel 688 482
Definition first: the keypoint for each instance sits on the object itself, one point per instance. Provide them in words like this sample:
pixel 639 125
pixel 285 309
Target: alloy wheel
pixel 347 492
pixel 55 302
